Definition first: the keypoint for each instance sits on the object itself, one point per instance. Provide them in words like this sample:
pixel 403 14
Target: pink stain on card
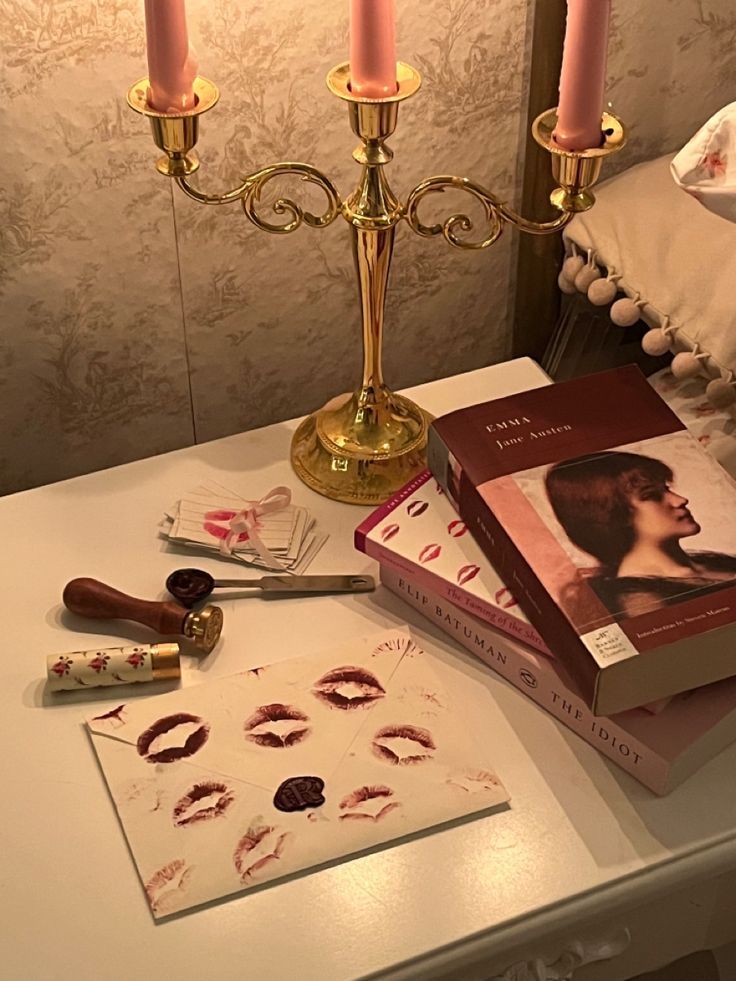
pixel 429 552
pixel 705 409
pixel 416 508
pixel 221 531
pixel 467 573
pixel 457 528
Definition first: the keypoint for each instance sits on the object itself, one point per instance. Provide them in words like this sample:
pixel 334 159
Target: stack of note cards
pixel 278 537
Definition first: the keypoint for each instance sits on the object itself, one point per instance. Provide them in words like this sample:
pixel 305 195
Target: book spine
pixel 541 609
pixel 535 676
pixel 500 620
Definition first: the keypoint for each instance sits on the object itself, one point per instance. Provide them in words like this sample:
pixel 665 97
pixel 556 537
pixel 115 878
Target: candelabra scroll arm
pixel 286 206
pixel 249 195
pixel 496 214
pixel 535 227
pixel 229 197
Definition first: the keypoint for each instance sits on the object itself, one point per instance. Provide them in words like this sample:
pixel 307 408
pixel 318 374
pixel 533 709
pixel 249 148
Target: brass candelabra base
pixel 361 453
pixel 366 448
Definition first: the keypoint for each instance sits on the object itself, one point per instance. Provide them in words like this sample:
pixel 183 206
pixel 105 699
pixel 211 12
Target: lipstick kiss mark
pixel 473 781
pixel 113 715
pixel 467 573
pixel 407 647
pixel 416 508
pixel 166 888
pixel 430 552
pixel 369 803
pixel 193 742
pixel 504 598
pixel 260 846
pixel 349 687
pixel 388 532
pixel 277 725
pixel 403 745
pixel 457 528
pixel 202 802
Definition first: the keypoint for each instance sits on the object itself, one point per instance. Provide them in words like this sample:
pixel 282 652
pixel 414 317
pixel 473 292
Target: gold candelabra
pixel 367 447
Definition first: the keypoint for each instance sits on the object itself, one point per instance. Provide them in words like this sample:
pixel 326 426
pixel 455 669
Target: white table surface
pixel 579 834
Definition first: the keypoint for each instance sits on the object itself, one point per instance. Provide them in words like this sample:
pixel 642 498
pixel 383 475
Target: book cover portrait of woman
pixel 627 512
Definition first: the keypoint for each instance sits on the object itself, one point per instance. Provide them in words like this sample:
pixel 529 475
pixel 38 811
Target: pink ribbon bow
pixel 245 522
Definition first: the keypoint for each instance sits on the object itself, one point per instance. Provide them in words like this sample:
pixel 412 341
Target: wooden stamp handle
pixel 95 599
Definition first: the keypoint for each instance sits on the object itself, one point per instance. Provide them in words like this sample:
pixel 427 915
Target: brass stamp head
pixel 204 627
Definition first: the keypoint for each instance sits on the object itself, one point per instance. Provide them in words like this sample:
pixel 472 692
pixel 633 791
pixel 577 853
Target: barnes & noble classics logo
pixel 528 678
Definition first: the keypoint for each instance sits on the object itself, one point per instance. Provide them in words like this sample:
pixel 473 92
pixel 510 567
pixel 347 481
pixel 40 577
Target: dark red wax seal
pixel 299 793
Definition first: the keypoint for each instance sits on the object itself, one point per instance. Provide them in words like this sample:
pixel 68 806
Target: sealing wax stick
pixel 172 63
pixel 112 666
pixel 372 48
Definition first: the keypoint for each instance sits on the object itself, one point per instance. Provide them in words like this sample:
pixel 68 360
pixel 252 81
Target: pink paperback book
pixel 419 533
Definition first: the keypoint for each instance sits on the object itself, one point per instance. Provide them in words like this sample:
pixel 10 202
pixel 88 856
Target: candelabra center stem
pixel 373 205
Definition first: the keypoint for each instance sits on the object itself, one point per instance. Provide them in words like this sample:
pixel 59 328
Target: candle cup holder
pixel 575 171
pixel 175 134
pixel 365 449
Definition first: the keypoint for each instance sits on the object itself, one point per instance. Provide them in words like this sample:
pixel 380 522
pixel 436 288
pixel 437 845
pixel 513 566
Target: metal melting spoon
pixel 191 586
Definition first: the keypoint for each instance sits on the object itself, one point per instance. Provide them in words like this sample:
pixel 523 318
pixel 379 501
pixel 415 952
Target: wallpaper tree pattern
pixel 133 321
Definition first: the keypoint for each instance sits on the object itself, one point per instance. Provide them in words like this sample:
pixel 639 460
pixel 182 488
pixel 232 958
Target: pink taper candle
pixel 583 76
pixel 372 48
pixel 172 64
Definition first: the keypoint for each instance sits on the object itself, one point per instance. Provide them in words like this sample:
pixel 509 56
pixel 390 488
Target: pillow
pixel 676 263
pixel 706 166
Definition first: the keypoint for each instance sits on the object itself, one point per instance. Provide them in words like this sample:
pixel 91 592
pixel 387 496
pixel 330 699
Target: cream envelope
pixel 194 773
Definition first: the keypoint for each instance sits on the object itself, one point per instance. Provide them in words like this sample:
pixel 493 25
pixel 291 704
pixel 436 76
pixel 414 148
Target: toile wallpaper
pixel 672 64
pixel 134 321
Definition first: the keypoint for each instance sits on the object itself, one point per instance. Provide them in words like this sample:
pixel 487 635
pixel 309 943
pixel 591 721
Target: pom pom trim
pixel 677 335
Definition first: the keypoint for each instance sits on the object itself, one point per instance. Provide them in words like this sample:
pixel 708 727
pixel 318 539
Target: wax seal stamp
pixel 299 793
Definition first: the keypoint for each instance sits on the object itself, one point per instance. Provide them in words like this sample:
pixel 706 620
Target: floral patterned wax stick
pixel 112 666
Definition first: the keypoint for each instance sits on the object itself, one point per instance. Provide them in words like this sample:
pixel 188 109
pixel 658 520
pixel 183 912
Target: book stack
pixel 578 540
